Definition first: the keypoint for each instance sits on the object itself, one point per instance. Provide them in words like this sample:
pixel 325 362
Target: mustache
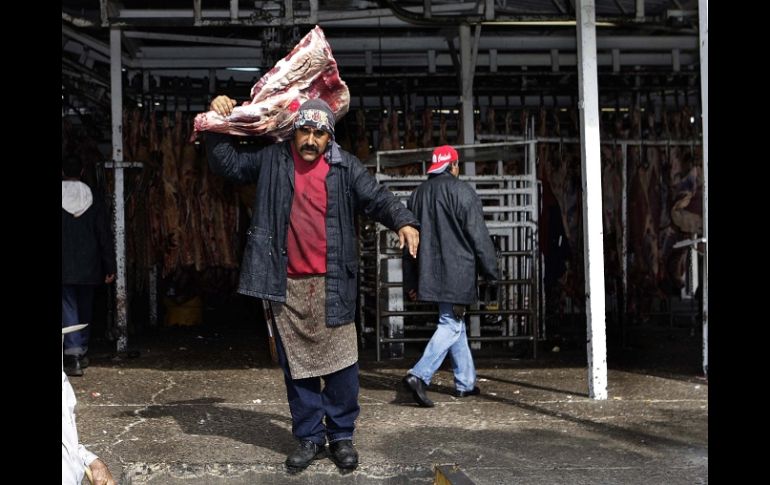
pixel 310 148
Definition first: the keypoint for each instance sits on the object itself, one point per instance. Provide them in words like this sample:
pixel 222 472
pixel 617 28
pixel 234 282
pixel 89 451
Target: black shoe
pixel 417 386
pixel 306 452
pixel 84 362
pixel 344 455
pixel 72 366
pixel 473 392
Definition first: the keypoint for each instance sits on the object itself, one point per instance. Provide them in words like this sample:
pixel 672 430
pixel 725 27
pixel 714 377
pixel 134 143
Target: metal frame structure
pixel 511 204
pixel 188 40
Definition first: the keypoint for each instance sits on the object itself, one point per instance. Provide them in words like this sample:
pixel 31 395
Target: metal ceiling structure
pixel 401 53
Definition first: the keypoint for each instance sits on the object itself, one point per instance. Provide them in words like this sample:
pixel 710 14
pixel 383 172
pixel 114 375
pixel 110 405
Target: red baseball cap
pixel 442 157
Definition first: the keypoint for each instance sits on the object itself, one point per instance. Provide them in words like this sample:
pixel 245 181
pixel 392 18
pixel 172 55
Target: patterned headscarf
pixel 316 113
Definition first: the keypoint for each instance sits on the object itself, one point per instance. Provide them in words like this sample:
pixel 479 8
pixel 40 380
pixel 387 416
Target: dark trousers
pixel 77 306
pixel 337 402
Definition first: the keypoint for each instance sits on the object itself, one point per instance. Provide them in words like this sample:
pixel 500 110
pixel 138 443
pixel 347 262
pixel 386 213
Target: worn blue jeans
pixel 77 306
pixel 309 404
pixel 449 337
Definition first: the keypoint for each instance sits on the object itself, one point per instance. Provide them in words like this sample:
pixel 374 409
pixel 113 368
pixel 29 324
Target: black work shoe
pixel 473 392
pixel 72 366
pixel 344 455
pixel 417 386
pixel 306 452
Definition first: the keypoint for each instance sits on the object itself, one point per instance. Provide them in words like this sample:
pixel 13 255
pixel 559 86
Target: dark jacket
pixel 87 251
pixel 350 188
pixel 454 241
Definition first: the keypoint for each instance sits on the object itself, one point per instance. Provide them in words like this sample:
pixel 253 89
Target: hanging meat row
pixel 664 201
pixel 179 217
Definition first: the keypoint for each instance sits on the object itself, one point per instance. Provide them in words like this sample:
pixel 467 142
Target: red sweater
pixel 306 245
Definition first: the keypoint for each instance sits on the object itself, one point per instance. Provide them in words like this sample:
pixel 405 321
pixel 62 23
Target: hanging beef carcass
pixel 644 208
pixel 395 140
pixel 657 192
pixel 684 208
pixel 410 135
pixel 491 124
pixel 612 194
pixel 524 119
pixel 362 140
pixel 218 217
pixel 140 249
pixel 309 71
pixel 687 207
pixel 509 123
pixel 385 140
pixel 189 181
pixel 427 128
pixel 155 191
pixel 171 217
pixel 559 167
pixel 442 133
pixel 553 239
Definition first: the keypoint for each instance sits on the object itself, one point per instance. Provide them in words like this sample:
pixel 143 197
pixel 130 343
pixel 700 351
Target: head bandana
pixel 316 113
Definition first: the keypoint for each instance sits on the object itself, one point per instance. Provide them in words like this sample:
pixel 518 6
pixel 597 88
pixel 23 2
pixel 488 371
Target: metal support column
pixel 624 241
pixel 116 95
pixel 489 9
pixel 534 297
pixel 703 13
pixel 467 68
pixel 592 198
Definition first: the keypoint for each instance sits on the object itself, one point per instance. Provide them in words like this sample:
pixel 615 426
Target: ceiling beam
pixel 421 60
pixel 422 44
pixel 200 39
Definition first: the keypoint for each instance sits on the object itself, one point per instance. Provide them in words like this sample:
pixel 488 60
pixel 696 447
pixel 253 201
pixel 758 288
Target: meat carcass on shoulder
pixel 309 71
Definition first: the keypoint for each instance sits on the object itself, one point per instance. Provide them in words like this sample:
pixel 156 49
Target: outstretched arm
pixel 238 163
pixel 380 204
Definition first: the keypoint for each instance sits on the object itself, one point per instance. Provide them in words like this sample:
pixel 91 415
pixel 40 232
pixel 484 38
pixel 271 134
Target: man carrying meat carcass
pixel 301 258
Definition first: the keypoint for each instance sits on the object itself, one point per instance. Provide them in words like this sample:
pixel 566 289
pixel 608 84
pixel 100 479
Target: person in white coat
pixel 75 458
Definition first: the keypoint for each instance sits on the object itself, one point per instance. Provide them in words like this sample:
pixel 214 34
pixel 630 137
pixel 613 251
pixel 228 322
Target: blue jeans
pixel 309 404
pixel 449 337
pixel 76 307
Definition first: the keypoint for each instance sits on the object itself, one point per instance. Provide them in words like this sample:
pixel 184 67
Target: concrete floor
pixel 201 406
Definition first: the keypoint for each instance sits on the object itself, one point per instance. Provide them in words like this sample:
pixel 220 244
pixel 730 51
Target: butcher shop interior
pixel 584 132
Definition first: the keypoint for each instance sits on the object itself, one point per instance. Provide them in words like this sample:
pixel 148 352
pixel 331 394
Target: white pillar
pixel 703 14
pixel 116 96
pixel 593 252
pixel 624 237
